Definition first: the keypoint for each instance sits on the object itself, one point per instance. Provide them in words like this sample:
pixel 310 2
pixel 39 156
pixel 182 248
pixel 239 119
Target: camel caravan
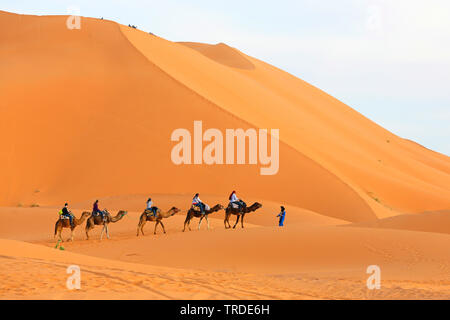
pixel 152 213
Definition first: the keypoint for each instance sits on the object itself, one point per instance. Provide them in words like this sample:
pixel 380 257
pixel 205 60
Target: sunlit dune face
pixel 222 54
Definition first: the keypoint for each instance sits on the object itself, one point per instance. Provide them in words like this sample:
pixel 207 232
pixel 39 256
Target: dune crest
pixel 222 53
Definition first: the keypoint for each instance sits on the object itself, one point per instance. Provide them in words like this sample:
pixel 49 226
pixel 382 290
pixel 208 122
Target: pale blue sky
pixel 388 59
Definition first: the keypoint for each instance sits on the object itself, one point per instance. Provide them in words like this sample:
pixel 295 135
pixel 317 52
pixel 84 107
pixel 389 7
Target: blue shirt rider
pixel 281 215
pixel 150 206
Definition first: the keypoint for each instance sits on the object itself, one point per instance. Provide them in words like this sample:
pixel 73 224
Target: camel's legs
pixel 107 231
pixel 207 220
pixel 227 217
pixel 89 227
pixel 138 228
pixel 237 220
pixel 58 228
pixel 141 225
pixel 156 224
pixel 242 221
pixel 162 225
pixel 101 234
pixel 87 232
pixel 71 234
pixel 200 222
pixel 186 222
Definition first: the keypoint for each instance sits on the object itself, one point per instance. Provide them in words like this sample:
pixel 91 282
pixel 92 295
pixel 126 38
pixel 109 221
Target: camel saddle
pixel 234 205
pixel 197 209
pixel 150 212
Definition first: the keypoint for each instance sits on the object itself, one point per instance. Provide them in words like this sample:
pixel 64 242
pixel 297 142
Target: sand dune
pixel 109 116
pixel 88 114
pixel 324 263
pixel 311 258
pixel 438 222
pixel 361 153
pixel 124 78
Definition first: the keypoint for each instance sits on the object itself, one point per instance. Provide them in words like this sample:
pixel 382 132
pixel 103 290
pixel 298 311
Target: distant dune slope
pixel 89 113
pixel 363 154
pixel 223 54
pixel 436 222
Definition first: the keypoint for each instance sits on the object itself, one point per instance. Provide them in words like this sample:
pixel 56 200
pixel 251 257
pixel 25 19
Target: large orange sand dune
pixel 99 104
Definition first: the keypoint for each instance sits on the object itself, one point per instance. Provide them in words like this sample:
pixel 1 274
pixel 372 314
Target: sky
pixel 388 59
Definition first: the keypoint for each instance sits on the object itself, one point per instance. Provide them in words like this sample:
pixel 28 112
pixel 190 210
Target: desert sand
pixel 88 114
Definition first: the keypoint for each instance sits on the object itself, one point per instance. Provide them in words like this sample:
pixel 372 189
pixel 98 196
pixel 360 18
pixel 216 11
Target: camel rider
pixel 235 200
pixel 196 202
pixel 150 207
pixel 66 213
pixel 281 216
pixel 96 210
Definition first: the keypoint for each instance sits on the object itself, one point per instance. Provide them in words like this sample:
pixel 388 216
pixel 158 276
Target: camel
pixel 65 223
pixel 150 217
pixel 98 221
pixel 195 213
pixel 229 211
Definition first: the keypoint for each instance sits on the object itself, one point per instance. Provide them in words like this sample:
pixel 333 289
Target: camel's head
pixel 220 207
pixel 174 210
pixel 256 206
pixel 86 214
pixel 123 213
